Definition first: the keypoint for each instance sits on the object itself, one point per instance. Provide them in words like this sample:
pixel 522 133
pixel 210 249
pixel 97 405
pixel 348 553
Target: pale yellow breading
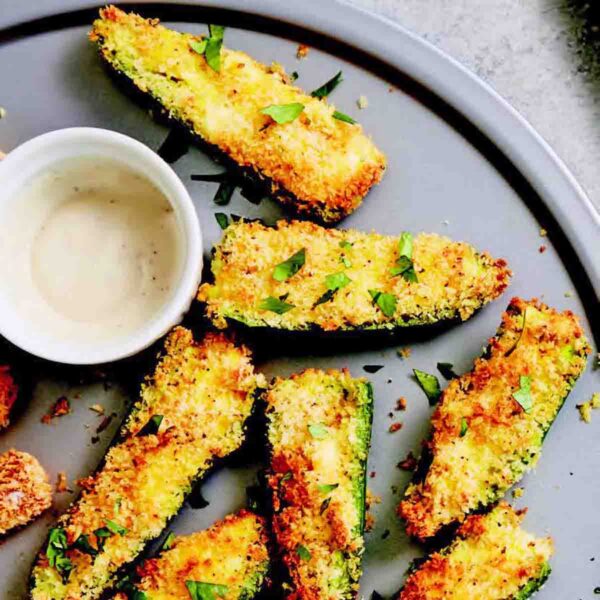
pixel 25 492
pixel 492 558
pixel 204 391
pixel 232 553
pixel 483 439
pixel 8 394
pixel 318 165
pixel 454 279
pixel 319 431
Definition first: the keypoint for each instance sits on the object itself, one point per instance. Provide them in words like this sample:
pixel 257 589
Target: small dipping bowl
pixel 103 319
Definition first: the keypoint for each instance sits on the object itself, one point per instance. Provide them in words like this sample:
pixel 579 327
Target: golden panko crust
pixel 483 439
pixel 8 394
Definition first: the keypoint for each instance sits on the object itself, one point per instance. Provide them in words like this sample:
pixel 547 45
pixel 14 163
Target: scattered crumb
pixel 518 492
pixel 543 232
pixel 401 403
pixel 446 222
pixel 105 422
pixel 395 427
pixel 97 408
pixel 372 499
pixel 59 408
pixel 391 415
pixel 2 155
pixel 542 249
pixel 585 409
pixel 568 294
pixel 395 489
pixel 362 102
pixel 597 363
pixel 390 89
pixel 372 474
pixel 61 483
pixel 302 51
pixel 409 463
pixel 403 352
pixel 369 522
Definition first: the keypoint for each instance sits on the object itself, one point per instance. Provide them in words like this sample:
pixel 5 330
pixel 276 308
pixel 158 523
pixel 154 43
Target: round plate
pixel 461 163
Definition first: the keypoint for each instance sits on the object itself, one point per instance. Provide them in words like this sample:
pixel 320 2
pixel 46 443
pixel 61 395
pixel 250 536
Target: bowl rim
pixel 171 313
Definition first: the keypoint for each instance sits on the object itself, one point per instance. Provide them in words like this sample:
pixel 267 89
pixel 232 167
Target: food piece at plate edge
pixel 489 425
pixel 349 280
pixel 25 492
pixel 319 428
pixel 229 559
pixel 9 390
pixel 315 164
pixel 491 558
pixel 191 413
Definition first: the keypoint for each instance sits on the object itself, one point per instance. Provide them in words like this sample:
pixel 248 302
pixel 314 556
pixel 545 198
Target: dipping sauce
pixel 95 249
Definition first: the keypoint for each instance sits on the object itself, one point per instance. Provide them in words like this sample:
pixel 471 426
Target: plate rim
pixel 433 69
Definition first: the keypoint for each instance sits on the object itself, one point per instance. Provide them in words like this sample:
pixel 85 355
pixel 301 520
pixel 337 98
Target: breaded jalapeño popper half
pixel 491 558
pixel 319 428
pixel 191 412
pixel 300 276
pixel 489 426
pixel 229 560
pixel 292 143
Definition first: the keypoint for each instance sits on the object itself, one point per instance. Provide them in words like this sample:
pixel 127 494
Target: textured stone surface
pixel 538 54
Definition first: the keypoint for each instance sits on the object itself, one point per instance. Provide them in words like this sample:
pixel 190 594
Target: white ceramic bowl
pixel 36 156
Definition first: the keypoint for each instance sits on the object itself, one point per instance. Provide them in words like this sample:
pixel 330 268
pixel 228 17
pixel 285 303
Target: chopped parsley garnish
pixel 294 75
pixel 283 113
pixel 464 426
pixel 199 590
pixel 386 302
pixel 115 528
pixel 168 541
pixel 327 488
pixel 429 384
pixel 340 116
pixel 404 265
pixel 345 262
pixel 224 193
pixel 276 305
pixel 447 371
pixel 213 47
pixel 222 220
pixel 151 427
pixel 303 552
pixel 82 543
pixel 125 585
pixel 102 534
pixel 328 87
pixel 325 505
pixel 210 47
pixel 57 545
pixel 512 348
pixel 346 245
pixel 523 394
pixel 286 476
pixel 288 268
pixel 64 566
pixel 337 281
pixel 325 297
pixel 318 430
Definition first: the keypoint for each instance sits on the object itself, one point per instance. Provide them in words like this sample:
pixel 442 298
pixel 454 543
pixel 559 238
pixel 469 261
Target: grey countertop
pixel 536 53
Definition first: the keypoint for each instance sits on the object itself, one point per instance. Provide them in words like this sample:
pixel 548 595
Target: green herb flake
pixel 303 552
pixel 318 430
pixel 328 87
pixel 325 297
pixel 224 193
pixel 386 302
pixel 82 543
pixel 214 43
pixel 340 116
pixel 102 534
pixel 293 76
pixel 222 220
pixel 199 590
pixel 286 477
pixel 198 46
pixel 345 262
pixel 168 541
pixel 337 281
pixel 464 426
pixel 151 427
pixel 523 394
pixel 429 384
pixel 447 370
pixel 57 545
pixel 64 566
pixel 116 528
pixel 276 305
pixel 327 488
pixel 283 113
pixel 346 245
pixel 404 264
pixel 325 505
pixel 288 268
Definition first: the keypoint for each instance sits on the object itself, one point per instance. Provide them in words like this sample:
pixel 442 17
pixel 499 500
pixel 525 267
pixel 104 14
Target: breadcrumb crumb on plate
pixel 25 492
pixel 492 558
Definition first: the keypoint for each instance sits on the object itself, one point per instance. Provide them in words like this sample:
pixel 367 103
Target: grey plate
pixel 461 163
